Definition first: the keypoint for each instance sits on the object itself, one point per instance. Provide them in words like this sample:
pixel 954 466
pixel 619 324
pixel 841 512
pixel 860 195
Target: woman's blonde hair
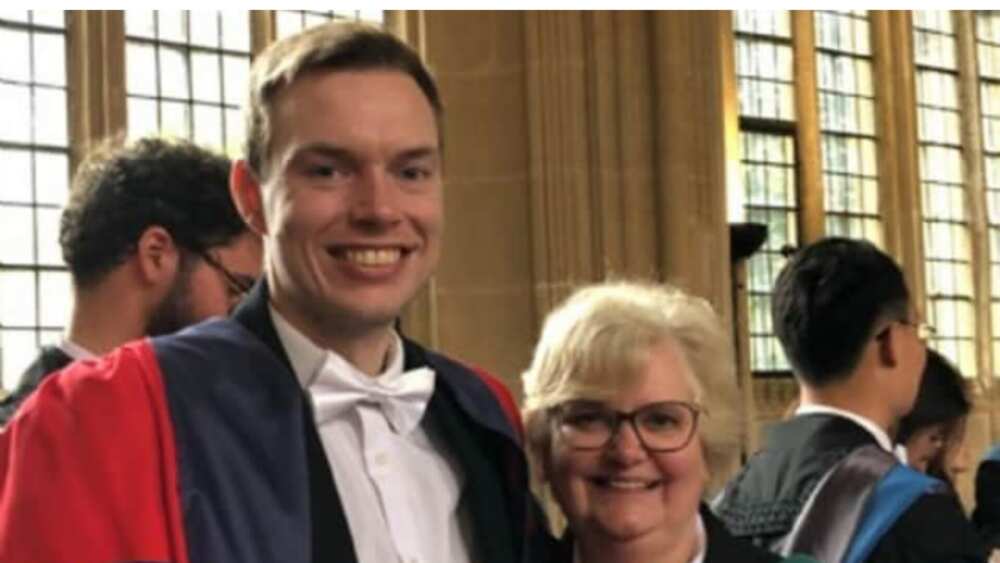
pixel 596 342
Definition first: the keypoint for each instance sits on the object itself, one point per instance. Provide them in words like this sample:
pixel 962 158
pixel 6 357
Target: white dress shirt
pixel 400 492
pixel 874 429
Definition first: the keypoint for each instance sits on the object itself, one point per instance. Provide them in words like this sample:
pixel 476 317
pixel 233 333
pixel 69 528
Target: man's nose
pixel 374 199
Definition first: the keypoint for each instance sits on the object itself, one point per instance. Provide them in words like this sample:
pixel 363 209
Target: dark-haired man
pixel 153 243
pixel 844 317
pixel 303 428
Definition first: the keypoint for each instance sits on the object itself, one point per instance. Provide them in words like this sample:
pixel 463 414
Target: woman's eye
pixel 660 422
pixel 583 419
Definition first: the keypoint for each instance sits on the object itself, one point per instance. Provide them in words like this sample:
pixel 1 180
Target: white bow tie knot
pixel 402 398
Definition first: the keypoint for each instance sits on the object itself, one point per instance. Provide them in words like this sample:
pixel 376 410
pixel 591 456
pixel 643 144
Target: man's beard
pixel 174 312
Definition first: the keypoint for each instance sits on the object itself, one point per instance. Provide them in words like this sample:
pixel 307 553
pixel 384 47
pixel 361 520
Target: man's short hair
pixel 330 47
pixel 120 191
pixel 828 301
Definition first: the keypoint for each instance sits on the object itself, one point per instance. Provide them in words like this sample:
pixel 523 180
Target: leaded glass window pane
pixel 290 22
pixel 765 74
pixel 988 55
pixel 34 156
pixel 186 75
pixel 951 300
pixel 847 125
pixel 764 66
pixel 770 196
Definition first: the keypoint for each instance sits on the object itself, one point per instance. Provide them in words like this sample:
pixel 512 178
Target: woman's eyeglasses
pixel 664 426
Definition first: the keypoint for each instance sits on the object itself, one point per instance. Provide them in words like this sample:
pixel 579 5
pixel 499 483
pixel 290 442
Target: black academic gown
pixel 50 359
pixel 464 413
pixel 764 498
pixel 986 516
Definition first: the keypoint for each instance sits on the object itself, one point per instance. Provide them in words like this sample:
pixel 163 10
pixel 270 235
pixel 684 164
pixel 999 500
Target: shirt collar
pixel 307 358
pixel 74 350
pixel 699 557
pixel 874 429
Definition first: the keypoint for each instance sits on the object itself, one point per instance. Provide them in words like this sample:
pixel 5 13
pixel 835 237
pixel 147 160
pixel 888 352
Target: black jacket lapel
pixel 484 499
pixel 331 535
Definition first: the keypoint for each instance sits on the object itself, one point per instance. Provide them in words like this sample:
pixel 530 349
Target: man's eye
pixel 415 173
pixel 321 170
pixel 333 169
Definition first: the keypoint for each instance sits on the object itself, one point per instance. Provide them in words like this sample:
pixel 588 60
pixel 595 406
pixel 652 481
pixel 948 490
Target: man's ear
pixel 157 256
pixel 889 345
pixel 245 189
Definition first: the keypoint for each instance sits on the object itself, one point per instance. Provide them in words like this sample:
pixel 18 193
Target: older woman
pixel 631 408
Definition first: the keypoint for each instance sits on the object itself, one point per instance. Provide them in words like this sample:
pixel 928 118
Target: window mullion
pixel 263 30
pixel 972 153
pixel 95 67
pixel 809 174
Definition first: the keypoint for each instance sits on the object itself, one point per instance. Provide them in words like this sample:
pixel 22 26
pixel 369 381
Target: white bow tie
pixel 402 398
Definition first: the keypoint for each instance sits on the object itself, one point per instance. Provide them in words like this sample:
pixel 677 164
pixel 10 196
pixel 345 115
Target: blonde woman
pixel 631 412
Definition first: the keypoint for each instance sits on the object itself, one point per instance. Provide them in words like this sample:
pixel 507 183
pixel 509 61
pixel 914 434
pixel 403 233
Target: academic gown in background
pixel 764 498
pixel 986 516
pixel 201 446
pixel 49 359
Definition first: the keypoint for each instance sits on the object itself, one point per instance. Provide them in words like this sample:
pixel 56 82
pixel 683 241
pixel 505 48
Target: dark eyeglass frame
pixel 924 330
pixel 618 417
pixel 238 286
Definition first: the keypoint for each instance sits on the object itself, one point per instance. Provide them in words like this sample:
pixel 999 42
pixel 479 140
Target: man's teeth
pixel 371 257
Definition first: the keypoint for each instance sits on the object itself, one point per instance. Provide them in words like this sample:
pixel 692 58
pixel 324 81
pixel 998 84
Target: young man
pixel 304 428
pixel 843 315
pixel 153 243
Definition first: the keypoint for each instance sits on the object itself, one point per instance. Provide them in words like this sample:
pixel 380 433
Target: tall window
pixel 767 120
pixel 988 55
pixel 35 163
pixel 186 75
pixel 847 125
pixel 292 21
pixel 947 244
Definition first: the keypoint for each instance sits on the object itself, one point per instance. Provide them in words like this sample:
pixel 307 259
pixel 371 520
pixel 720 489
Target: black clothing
pixel 721 547
pixel 50 359
pixel 724 547
pixel 763 500
pixel 986 516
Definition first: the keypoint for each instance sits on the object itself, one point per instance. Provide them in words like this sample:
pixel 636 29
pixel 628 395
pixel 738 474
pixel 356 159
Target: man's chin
pixel 355 316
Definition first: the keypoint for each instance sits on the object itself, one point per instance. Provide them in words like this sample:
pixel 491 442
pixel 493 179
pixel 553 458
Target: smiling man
pixel 304 428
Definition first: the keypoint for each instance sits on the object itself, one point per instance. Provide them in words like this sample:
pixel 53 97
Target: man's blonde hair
pixel 329 47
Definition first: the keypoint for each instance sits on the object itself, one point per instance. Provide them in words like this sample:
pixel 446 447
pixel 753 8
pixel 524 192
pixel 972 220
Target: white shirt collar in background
pixel 75 351
pixel 880 435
